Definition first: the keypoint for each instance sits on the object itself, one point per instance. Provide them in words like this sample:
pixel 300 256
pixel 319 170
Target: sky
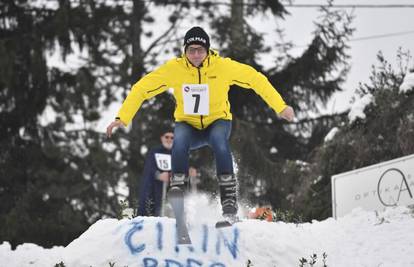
pixel 361 238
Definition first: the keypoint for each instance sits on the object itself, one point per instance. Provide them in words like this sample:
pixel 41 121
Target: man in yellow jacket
pixel 200 80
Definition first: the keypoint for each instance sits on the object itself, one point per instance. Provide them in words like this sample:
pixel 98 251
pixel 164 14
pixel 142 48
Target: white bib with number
pixel 163 161
pixel 196 99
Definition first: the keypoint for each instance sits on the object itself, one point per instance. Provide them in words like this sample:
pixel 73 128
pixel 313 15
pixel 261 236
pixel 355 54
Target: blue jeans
pixel 187 138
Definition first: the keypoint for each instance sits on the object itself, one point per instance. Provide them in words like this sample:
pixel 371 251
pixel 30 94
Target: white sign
pixel 375 187
pixel 163 161
pixel 196 99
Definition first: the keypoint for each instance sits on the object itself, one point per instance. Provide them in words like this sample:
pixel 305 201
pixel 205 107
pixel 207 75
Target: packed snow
pixel 408 83
pixel 357 109
pixel 362 238
pixel 331 134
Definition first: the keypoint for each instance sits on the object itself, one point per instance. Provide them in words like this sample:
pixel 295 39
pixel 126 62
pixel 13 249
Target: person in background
pixel 156 176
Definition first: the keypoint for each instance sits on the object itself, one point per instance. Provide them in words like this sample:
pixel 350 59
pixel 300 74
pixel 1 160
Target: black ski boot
pixel 228 196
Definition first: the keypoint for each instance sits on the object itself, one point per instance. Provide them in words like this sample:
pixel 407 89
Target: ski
pixel 228 221
pixel 176 199
pixel 222 224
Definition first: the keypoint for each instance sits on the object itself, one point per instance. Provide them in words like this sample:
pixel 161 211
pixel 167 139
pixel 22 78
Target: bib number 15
pixel 196 99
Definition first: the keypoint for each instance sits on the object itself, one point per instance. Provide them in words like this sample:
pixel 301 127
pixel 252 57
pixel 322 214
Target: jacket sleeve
pixel 247 77
pixel 150 85
pixel 147 183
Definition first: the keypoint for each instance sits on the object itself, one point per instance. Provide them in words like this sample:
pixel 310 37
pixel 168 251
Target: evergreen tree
pixel 386 132
pixel 56 175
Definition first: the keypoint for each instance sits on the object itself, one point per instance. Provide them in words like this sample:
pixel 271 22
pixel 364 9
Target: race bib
pixel 196 99
pixel 163 161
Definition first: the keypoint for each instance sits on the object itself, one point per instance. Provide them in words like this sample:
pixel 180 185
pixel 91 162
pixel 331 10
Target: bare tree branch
pixel 155 43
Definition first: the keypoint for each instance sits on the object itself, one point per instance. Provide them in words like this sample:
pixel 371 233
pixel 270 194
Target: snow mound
pixel 359 239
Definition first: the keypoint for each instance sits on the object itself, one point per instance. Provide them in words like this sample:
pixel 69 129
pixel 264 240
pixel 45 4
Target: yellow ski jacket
pixel 201 94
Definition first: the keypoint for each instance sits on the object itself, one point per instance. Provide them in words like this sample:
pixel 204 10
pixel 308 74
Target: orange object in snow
pixel 262 213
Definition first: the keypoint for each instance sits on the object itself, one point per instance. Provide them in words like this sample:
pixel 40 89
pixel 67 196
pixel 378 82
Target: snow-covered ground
pixel 361 238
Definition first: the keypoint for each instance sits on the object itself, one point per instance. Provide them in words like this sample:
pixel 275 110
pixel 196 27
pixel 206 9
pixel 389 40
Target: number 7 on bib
pixel 196 99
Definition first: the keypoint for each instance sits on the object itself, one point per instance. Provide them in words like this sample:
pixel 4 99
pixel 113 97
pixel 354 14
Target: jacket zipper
pixel 199 82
